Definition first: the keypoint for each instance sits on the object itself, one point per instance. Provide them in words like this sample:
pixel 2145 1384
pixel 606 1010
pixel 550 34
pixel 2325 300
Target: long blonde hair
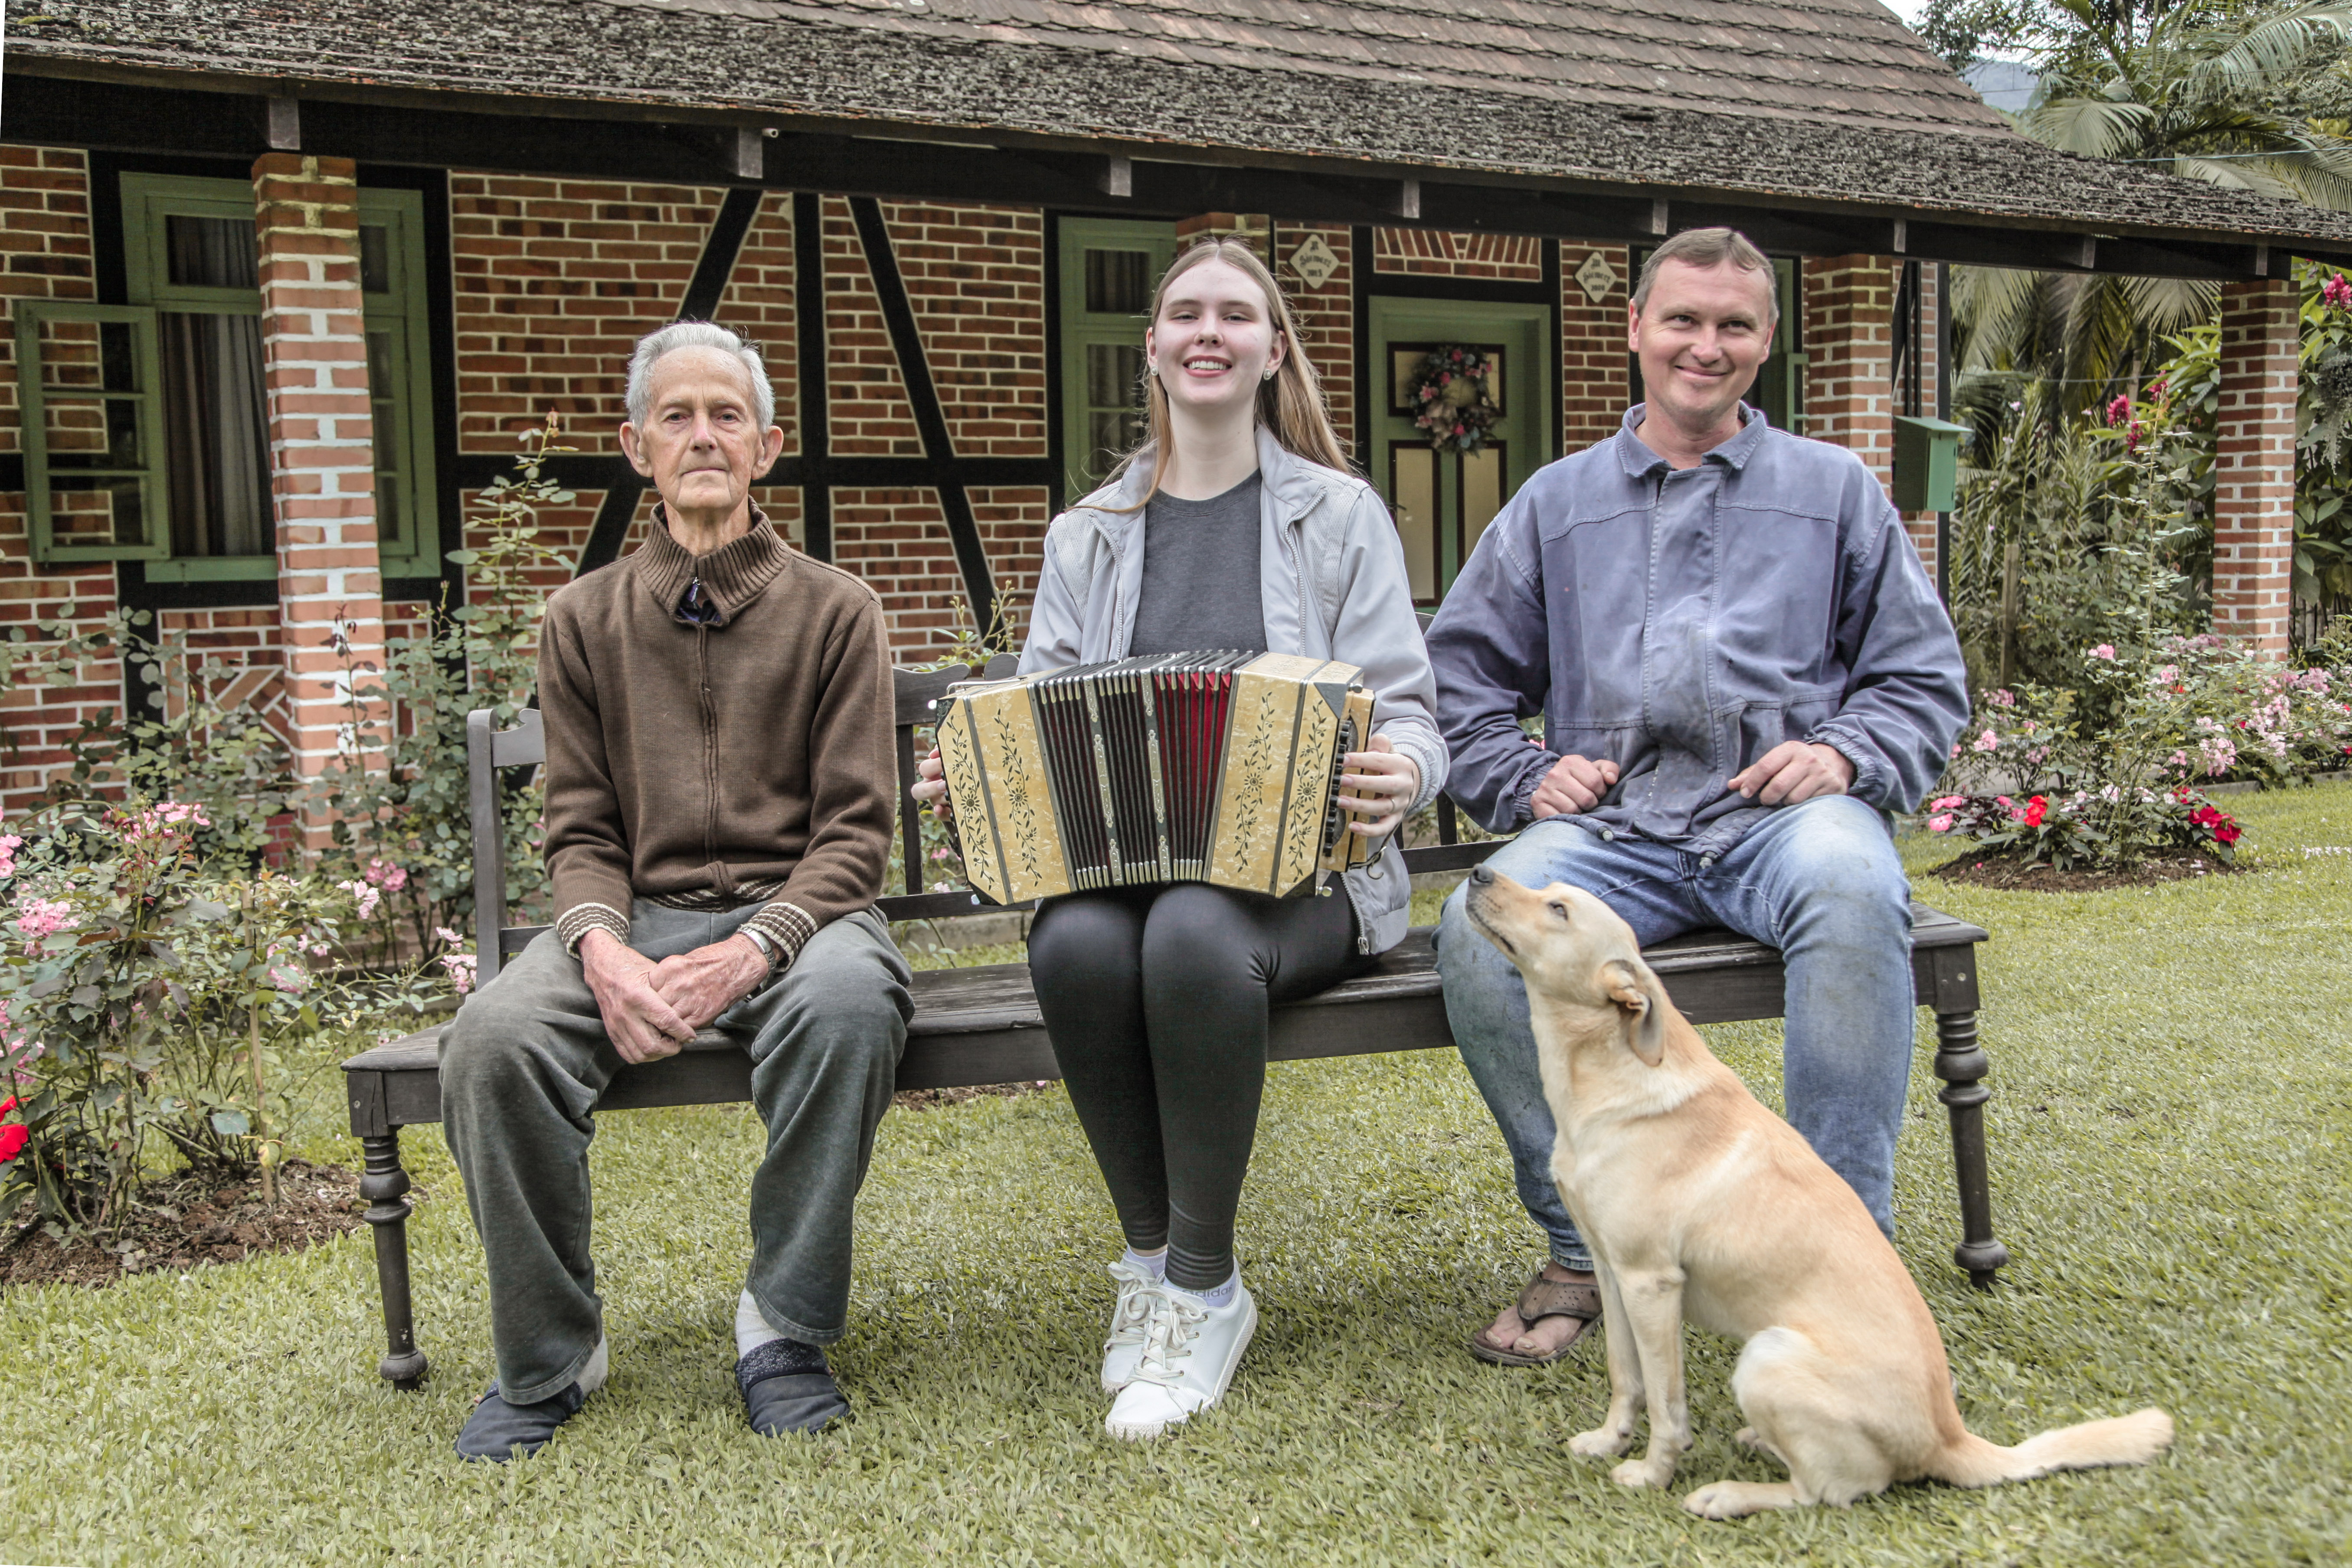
pixel 1290 406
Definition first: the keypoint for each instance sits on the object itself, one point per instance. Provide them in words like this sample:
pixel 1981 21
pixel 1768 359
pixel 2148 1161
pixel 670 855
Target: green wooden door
pixel 1444 500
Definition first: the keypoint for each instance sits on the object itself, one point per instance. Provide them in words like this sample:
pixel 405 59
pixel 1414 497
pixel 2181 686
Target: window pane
pixel 1110 436
pixel 118 357
pixel 1482 493
pixel 1414 479
pixel 1115 376
pixel 216 435
pixel 383 388
pixel 375 259
pixel 1119 283
pixel 76 430
pixel 212 252
pixel 84 510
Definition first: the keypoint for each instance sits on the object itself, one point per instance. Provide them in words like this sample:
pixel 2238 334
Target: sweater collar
pixel 732 576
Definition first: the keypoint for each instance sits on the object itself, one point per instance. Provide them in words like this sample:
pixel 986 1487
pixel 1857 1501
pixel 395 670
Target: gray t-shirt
pixel 1201 574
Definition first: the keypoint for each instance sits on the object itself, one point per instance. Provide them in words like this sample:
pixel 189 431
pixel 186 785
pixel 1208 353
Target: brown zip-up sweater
pixel 747 758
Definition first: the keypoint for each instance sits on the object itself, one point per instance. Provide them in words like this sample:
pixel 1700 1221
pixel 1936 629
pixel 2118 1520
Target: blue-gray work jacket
pixel 1683 623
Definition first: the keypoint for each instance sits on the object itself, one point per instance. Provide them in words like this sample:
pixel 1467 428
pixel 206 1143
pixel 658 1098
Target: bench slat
pixel 980 1025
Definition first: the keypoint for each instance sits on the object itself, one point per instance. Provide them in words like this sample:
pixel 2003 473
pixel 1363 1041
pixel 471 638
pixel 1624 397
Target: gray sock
pixel 1219 1296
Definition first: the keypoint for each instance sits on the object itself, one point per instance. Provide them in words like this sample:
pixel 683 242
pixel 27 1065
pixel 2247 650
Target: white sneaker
pixel 1128 1319
pixel 1189 1352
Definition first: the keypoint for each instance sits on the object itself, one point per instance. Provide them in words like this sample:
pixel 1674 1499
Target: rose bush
pixel 153 1004
pixel 2110 774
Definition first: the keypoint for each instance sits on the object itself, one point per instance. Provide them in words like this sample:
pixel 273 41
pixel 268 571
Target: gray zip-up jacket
pixel 1332 576
pixel 1683 623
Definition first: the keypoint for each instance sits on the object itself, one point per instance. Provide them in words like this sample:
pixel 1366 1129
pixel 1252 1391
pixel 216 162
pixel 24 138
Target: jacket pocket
pixel 1758 727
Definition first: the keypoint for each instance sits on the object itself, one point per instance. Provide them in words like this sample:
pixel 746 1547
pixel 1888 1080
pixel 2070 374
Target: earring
pixel 1269 373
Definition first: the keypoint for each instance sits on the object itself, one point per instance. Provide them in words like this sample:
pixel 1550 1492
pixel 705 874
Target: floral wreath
pixel 1452 399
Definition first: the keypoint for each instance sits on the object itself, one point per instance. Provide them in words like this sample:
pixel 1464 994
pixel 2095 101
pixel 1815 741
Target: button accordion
pixel 1183 767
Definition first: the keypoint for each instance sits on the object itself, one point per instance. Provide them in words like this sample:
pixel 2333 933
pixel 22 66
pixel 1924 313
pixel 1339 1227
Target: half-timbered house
pixel 287 278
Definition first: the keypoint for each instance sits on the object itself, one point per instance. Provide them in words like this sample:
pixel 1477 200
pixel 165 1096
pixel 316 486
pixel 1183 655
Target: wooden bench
pixel 980 1025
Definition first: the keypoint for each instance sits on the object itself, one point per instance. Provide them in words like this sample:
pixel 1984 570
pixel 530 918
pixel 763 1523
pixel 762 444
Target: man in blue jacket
pixel 1742 670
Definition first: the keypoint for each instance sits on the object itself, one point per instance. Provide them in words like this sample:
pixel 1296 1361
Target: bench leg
pixel 1960 1063
pixel 383 1184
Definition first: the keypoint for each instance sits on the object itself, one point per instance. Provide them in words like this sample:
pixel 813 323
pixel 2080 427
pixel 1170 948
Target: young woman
pixel 1235 526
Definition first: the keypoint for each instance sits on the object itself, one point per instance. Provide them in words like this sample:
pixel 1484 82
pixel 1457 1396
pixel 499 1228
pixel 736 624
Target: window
pixel 147 424
pixel 1109 269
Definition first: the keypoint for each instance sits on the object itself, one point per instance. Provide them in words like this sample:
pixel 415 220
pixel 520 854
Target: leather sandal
pixel 1545 1299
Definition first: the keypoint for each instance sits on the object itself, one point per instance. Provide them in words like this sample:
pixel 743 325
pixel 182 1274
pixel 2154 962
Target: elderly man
pixel 1742 670
pixel 718 810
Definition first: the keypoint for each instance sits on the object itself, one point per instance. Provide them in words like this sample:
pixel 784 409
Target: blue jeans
pixel 1821 881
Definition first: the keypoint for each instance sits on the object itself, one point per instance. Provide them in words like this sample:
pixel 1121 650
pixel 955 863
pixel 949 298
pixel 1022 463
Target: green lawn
pixel 2169 1148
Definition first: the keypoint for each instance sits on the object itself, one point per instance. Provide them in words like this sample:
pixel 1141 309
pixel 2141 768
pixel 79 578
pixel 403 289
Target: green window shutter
pixel 1108 268
pixel 400 381
pixel 89 385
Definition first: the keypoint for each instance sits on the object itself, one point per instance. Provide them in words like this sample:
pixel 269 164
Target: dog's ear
pixel 1641 1006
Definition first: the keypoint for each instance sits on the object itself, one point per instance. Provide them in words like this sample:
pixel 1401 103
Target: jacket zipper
pixel 709 746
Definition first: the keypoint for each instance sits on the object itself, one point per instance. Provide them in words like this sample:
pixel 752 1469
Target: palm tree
pixel 2206 93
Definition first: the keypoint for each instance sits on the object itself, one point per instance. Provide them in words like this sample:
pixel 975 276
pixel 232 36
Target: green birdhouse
pixel 1926 463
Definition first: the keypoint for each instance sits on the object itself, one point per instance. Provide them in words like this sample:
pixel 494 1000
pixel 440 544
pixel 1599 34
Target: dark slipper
pixel 1545 1299
pixel 787 1388
pixel 496 1428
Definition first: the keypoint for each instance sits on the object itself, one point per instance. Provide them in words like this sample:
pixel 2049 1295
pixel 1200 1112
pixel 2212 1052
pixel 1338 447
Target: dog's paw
pixel 1644 1473
pixel 1737 1499
pixel 1600 1443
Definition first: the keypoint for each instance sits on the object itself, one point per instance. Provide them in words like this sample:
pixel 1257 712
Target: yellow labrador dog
pixel 1698 1202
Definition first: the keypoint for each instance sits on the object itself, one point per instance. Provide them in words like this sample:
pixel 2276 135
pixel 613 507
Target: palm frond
pixel 2271 50
pixel 2094 127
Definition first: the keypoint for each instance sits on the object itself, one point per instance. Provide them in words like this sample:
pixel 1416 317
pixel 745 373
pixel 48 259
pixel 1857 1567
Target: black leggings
pixel 1156 999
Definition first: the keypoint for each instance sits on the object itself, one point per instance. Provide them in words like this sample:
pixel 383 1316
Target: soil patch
pixel 2012 872
pixel 194 1219
pixel 933 1098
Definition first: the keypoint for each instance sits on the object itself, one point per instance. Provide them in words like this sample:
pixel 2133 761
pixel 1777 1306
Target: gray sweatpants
pixel 521 1071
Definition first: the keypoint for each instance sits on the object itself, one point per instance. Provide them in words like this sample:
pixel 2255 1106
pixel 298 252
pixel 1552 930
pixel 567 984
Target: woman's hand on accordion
pixel 1380 784
pixel 930 786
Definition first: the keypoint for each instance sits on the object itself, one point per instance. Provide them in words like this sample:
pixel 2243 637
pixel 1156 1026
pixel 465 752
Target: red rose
pixel 2228 832
pixel 7 1105
pixel 2204 813
pixel 12 1139
pixel 2035 810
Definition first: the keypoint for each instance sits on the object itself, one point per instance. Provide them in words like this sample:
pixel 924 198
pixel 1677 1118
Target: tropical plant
pixel 2240 97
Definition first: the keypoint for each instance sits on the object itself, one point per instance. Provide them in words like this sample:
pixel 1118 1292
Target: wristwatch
pixel 767 946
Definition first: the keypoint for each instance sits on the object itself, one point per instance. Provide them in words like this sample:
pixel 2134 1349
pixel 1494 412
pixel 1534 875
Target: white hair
pixel 695 335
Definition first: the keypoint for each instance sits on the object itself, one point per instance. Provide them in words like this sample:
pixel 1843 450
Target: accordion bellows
pixel 1202 767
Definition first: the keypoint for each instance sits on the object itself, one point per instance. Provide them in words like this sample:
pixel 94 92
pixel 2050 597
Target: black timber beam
pixel 111 115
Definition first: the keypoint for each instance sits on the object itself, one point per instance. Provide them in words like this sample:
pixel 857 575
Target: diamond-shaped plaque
pixel 1314 262
pixel 1596 277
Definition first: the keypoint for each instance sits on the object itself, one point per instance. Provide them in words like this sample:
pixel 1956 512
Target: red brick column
pixel 2254 465
pixel 321 447
pixel 1850 356
pixel 1594 384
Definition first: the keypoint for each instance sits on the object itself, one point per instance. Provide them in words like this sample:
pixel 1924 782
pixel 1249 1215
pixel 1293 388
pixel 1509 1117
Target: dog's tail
pixel 2132 1439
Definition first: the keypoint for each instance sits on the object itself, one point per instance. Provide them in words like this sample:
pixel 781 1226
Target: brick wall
pixel 44 254
pixel 1443 253
pixel 554 281
pixel 2253 466
pixel 1326 317
pixel 1594 384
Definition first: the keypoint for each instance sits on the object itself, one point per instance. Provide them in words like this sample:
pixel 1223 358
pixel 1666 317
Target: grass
pixel 2169 1147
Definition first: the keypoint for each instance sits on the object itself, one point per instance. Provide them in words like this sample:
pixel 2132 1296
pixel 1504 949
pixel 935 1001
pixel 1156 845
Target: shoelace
pixel 1132 1314
pixel 1167 1337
